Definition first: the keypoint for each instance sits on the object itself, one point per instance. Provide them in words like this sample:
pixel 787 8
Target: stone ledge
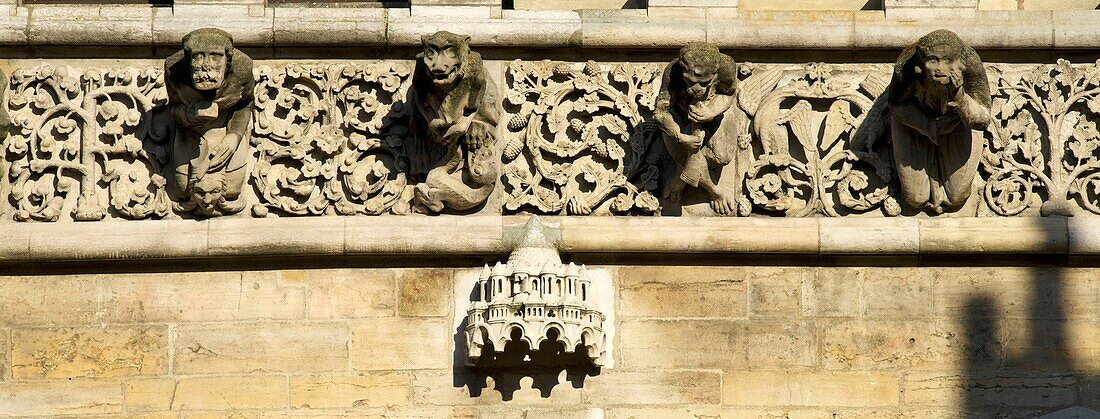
pixel 252 25
pixel 495 235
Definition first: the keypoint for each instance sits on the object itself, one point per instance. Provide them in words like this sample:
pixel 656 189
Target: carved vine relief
pixel 556 138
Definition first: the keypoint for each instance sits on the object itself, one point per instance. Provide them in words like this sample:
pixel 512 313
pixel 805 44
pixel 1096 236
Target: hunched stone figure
pixel 699 122
pixel 938 94
pixel 210 91
pixel 454 138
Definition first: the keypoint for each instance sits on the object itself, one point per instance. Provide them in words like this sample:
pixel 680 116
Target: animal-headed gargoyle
pixel 210 96
pixel 699 122
pixel 938 94
pixel 454 127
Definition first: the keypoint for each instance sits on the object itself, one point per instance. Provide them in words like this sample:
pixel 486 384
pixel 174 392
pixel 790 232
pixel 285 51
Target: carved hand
pixel 456 131
pixel 204 112
pixel 692 141
pixel 222 150
pixel 479 135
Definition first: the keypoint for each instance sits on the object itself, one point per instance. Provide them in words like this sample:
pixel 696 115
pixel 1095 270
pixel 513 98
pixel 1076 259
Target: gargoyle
pixel 454 135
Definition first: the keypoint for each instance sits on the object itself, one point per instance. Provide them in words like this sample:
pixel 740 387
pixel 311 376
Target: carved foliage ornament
pixel 330 139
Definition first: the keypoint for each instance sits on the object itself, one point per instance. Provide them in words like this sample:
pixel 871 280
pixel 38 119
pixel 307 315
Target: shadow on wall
pixel 544 365
pixel 1001 379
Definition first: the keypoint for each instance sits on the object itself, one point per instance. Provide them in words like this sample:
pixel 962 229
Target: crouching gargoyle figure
pixel 938 94
pixel 698 118
pixel 454 127
pixel 210 95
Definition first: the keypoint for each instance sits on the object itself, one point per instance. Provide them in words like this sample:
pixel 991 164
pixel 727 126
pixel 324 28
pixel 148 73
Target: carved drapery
pixel 329 139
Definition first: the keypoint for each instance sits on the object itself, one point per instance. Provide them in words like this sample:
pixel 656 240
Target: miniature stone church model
pixel 534 297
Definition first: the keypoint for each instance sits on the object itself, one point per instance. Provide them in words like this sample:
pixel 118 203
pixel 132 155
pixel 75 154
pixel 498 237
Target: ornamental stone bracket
pixel 534 310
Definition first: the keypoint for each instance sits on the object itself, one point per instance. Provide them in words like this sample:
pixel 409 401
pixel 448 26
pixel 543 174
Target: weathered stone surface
pixel 5 349
pixel 809 389
pixel 89 352
pixel 869 236
pixel 425 292
pixel 690 235
pixel 776 292
pixel 993 235
pixel 950 389
pixel 348 293
pixel 48 300
pixel 1018 292
pixel 148 394
pixel 675 292
pixel 781 344
pixel 230 393
pixel 703 344
pixel 242 237
pixel 211 296
pixel 654 388
pixel 400 343
pixel 893 345
pixel 61 398
pixel 896 292
pixel 140 240
pixel 832 292
pixel 314 25
pixel 261 347
pixel 348 391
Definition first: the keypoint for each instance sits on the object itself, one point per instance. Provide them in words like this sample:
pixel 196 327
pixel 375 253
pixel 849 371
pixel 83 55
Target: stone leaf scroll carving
pixel 77 145
pixel 575 138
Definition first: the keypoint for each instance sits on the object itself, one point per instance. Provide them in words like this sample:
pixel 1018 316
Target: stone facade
pixel 300 213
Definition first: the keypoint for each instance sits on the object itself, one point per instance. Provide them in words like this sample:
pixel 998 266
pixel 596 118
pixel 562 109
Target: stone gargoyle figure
pixel 699 121
pixel 210 92
pixel 938 94
pixel 454 138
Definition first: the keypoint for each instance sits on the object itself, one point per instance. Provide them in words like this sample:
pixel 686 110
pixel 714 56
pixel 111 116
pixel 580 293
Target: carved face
pixel 443 55
pixel 208 67
pixel 700 67
pixel 941 64
pixel 698 81
pixel 208 191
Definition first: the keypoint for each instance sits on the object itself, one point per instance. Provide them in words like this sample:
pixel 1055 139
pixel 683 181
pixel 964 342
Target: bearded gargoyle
pixel 938 94
pixel 209 112
pixel 699 122
pixel 454 139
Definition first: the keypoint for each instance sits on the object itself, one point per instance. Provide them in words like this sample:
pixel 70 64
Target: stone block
pixel 420 235
pixel 654 388
pixel 781 344
pixel 869 236
pixel 5 349
pixel 697 344
pixel 48 300
pixel 955 391
pixel 692 412
pixel 689 235
pixel 515 28
pixel 792 29
pixel 832 292
pixel 16 245
pixel 56 398
pixel 151 394
pixel 231 393
pixel 1050 345
pixel 271 295
pixel 578 4
pixel 349 293
pixel 893 345
pixel 401 343
pixel 229 236
pixel 329 26
pixel 691 3
pixel 260 347
pixel 425 292
pixel 1082 231
pixel 89 352
pixel 1017 292
pixel 897 292
pixel 190 297
pixel 677 13
pixel 776 291
pixel 89 25
pixel 764 388
pixel 348 391
pixel 13 25
pixel 130 240
pixel 171 24
pixel 803 5
pixel 997 29
pixel 679 291
pixel 993 235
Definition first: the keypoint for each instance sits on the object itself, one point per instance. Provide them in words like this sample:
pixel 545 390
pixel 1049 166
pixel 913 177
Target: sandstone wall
pixel 693 341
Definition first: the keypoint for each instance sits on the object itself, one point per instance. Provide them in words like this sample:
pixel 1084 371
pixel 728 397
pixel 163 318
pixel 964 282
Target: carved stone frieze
pixel 330 139
pixel 808 156
pixel 76 146
pixel 575 142
pixel 1043 145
